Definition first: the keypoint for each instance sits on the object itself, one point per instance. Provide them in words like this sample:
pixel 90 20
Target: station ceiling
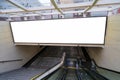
pixel 18 8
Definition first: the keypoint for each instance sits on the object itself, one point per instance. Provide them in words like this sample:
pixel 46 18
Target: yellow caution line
pixel 33 78
pixel 70 67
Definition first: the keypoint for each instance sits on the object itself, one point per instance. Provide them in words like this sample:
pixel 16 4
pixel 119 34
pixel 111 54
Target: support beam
pixel 17 5
pixel 87 4
pixel 56 6
pixel 90 7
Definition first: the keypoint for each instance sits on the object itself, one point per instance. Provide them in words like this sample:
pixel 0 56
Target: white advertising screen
pixel 60 31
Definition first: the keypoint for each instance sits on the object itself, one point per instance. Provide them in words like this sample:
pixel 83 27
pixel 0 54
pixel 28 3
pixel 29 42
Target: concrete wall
pixel 109 57
pixel 8 51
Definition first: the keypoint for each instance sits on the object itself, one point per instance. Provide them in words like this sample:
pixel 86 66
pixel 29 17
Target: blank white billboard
pixel 60 31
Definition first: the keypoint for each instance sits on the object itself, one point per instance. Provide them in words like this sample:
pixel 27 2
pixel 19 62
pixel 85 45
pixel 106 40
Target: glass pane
pixel 45 2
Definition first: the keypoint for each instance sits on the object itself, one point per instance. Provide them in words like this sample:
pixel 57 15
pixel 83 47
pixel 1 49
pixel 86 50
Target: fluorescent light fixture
pixel 60 31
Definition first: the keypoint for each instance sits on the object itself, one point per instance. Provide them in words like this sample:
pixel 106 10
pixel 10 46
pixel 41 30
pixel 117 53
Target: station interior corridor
pixel 59 40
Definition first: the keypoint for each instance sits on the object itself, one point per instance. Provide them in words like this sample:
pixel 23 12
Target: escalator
pixel 95 75
pixel 77 65
pixel 57 75
pixel 81 72
pixel 65 72
pixel 92 73
pixel 71 74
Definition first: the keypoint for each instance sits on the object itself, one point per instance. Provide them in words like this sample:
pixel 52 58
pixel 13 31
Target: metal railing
pixel 4 61
pixel 43 75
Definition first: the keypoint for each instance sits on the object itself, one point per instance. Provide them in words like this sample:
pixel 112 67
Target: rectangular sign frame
pixel 60 44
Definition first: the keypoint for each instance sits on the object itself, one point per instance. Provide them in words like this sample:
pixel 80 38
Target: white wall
pixel 8 51
pixel 109 57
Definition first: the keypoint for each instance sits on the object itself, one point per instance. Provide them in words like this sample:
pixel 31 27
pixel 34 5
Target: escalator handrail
pixel 48 72
pixel 91 73
pixel 81 66
pixel 99 75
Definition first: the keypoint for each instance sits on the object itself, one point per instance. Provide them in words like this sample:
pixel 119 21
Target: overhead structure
pixel 56 6
pixel 19 8
pixel 94 2
pixel 17 4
